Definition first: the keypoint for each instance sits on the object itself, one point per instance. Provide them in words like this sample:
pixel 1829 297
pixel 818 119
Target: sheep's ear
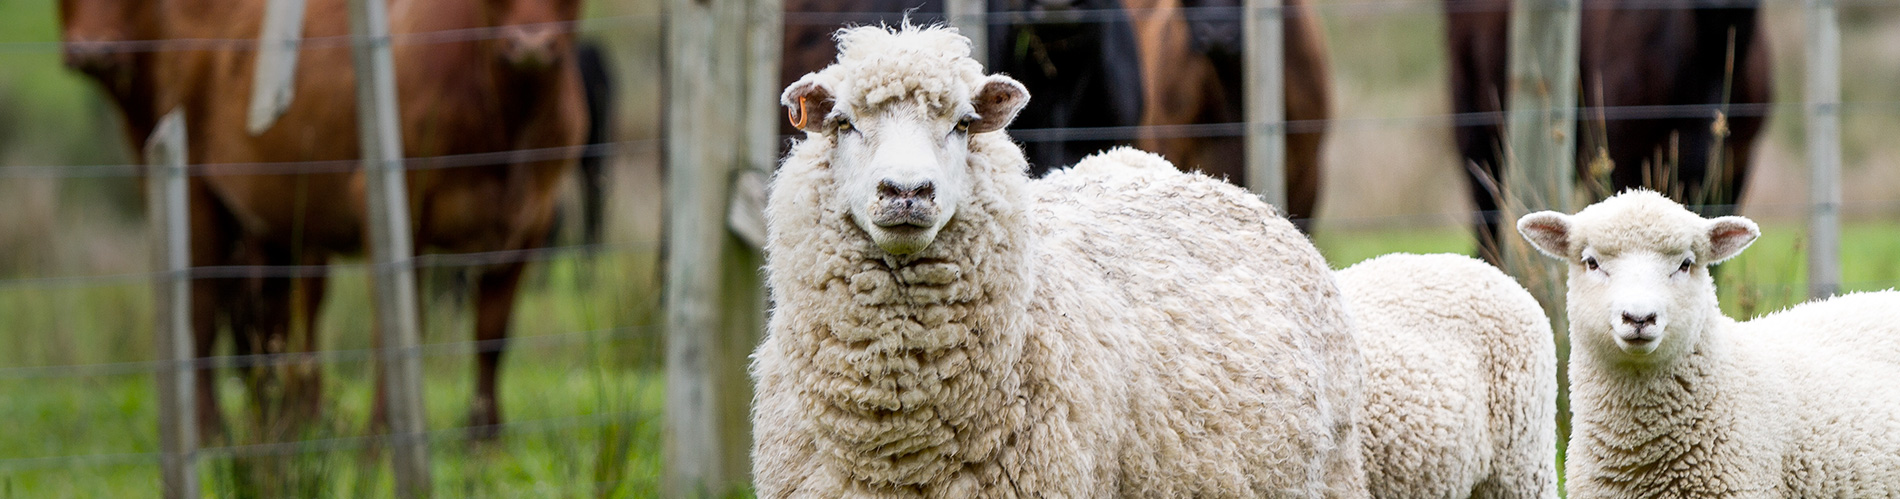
pixel 997 104
pixel 807 102
pixel 1549 231
pixel 1728 236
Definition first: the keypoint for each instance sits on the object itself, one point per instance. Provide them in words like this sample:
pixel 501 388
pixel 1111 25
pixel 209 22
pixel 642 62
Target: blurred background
pixel 582 382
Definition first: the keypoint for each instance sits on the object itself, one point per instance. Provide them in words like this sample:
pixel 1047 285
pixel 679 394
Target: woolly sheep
pixel 1673 399
pixel 946 328
pixel 1461 379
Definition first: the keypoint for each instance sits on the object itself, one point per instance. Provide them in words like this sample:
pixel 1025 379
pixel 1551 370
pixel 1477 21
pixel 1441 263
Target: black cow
pixel 1078 59
pixel 1696 62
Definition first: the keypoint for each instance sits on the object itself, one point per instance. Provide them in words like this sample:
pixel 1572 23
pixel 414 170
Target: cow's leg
pixel 210 245
pixel 261 321
pixel 303 390
pixel 495 303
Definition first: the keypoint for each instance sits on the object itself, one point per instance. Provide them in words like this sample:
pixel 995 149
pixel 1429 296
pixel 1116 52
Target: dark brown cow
pixel 1193 75
pixel 517 92
pixel 1632 54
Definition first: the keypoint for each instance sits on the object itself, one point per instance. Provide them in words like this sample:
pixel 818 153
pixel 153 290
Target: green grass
pixel 584 408
pixel 1345 247
pixel 582 398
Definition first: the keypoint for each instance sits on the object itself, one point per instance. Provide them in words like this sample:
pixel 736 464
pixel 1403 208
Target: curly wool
pixel 927 65
pixel 1091 335
pixel 1799 403
pixel 1461 379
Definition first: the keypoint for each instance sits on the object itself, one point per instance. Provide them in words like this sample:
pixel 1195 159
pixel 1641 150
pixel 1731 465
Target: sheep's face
pixel 1640 289
pixel 901 168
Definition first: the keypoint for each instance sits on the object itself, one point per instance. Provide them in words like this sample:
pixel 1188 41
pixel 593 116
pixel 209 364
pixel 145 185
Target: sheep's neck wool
pixel 1669 428
pixel 913 355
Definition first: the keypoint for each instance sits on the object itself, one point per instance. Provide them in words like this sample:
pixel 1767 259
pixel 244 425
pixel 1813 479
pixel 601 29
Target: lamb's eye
pixel 1590 262
pixel 844 125
pixel 963 125
pixel 1686 265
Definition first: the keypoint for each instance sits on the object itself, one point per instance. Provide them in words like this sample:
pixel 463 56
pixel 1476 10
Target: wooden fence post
pixel 390 247
pixel 1541 172
pixel 721 71
pixel 1264 25
pixel 1824 149
pixel 171 232
pixel 971 19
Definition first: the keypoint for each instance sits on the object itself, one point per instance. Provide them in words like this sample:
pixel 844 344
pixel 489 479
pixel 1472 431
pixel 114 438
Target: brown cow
pixel 96 35
pixel 515 92
pixel 1192 69
pixel 1632 54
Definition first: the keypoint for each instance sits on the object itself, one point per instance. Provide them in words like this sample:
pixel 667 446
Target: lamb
pixel 1673 399
pixel 944 327
pixel 1461 379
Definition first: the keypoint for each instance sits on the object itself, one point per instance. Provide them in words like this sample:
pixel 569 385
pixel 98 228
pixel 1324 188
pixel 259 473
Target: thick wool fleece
pixel 1800 403
pixel 1461 379
pixel 1095 334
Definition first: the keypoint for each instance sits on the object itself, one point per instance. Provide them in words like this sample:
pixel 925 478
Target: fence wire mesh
pixel 1380 119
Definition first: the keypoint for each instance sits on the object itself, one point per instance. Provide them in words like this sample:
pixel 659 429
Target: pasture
pixel 582 385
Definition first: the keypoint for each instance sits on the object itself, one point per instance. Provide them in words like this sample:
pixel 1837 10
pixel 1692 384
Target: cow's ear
pixel 807 102
pixel 997 103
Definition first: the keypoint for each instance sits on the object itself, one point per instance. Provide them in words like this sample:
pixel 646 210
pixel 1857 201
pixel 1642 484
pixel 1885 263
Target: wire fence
pixel 651 146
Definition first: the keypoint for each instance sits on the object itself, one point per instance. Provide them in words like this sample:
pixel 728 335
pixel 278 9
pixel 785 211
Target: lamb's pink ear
pixel 1728 236
pixel 807 102
pixel 1548 231
pixel 997 103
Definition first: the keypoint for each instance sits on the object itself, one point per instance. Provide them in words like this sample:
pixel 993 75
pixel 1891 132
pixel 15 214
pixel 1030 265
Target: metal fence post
pixel 715 305
pixel 1824 149
pixel 170 230
pixel 390 246
pixel 1541 172
pixel 1265 25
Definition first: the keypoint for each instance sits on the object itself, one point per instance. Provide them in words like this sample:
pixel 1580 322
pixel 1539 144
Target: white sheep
pixel 1672 399
pixel 944 328
pixel 1461 379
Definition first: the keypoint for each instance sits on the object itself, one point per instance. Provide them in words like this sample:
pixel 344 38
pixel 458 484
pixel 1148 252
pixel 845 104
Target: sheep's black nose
pixel 892 190
pixel 1640 321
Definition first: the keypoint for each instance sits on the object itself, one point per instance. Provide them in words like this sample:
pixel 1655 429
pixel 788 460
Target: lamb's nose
pixel 891 190
pixel 1640 321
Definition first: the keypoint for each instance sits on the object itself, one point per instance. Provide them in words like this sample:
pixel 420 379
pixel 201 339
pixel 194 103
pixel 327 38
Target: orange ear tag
pixel 798 117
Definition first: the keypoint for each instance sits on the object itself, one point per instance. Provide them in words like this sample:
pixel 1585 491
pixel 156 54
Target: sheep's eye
pixel 1686 264
pixel 963 125
pixel 1590 262
pixel 845 125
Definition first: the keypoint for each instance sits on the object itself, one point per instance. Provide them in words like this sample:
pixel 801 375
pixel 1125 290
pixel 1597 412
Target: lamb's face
pixel 1640 290
pixel 901 168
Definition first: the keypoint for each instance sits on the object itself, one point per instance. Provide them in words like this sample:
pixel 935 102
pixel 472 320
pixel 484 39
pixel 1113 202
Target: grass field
pixel 583 399
pixel 580 392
